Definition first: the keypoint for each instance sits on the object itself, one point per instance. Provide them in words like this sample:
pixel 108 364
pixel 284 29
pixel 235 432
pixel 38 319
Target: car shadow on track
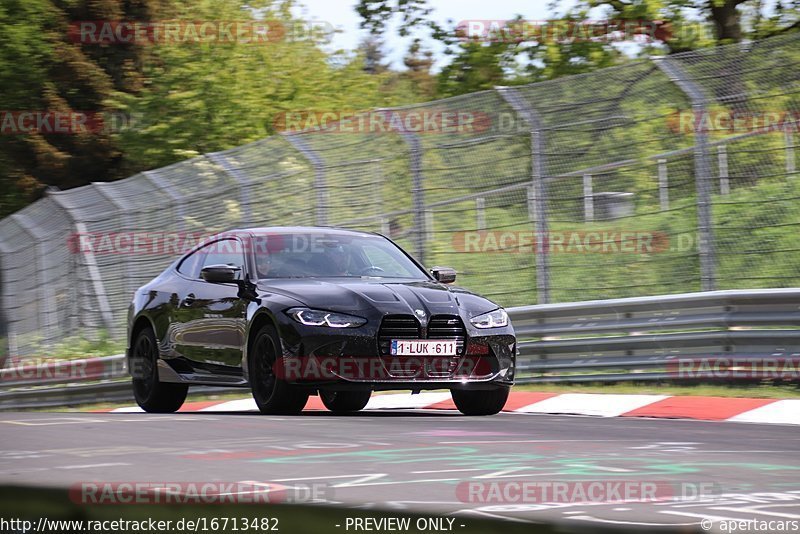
pixel 322 413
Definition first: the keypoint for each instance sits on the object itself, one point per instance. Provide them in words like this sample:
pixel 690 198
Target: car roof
pixel 331 230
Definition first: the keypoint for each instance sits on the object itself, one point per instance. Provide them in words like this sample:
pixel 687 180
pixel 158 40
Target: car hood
pixel 375 295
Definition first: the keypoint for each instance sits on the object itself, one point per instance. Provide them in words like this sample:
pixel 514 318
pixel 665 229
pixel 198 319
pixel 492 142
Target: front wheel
pixel 480 402
pixel 273 396
pixel 345 401
pixel 152 395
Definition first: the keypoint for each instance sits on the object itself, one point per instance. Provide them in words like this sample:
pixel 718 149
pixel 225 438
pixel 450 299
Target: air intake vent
pixel 448 327
pixel 397 327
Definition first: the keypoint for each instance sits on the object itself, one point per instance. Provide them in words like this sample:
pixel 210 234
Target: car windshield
pixel 309 255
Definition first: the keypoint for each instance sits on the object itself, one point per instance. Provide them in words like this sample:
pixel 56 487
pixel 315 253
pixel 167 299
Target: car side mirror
pixel 220 274
pixel 445 275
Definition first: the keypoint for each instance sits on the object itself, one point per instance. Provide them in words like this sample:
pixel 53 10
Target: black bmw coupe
pixel 297 311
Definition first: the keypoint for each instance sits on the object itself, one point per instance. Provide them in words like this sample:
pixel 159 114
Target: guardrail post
pixel 588 198
pixel 320 182
pixel 480 213
pixel 722 163
pixel 417 194
pixel 702 169
pixel 791 162
pixel 663 185
pixel 537 190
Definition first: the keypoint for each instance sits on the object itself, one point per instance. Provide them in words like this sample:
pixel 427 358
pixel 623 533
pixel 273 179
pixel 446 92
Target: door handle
pixel 188 299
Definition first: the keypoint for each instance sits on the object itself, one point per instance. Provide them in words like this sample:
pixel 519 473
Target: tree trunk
pixel 726 20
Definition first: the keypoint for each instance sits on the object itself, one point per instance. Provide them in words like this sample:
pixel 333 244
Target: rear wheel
pixel 345 401
pixel 152 395
pixel 272 395
pixel 480 402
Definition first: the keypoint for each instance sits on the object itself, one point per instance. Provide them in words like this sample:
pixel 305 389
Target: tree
pixel 419 63
pixel 683 21
pixel 729 20
pixel 371 48
pixel 46 73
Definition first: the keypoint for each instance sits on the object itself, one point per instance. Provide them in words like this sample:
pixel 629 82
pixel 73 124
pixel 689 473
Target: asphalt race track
pixel 420 461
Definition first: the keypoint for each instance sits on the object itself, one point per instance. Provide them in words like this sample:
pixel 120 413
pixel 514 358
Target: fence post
pixel 537 189
pixel 177 199
pixel 417 194
pixel 722 163
pixel 320 182
pixel 125 216
pixel 480 213
pixel 588 198
pixel 791 163
pixel 99 288
pixel 702 169
pixel 38 240
pixel 530 195
pixel 11 334
pixel 663 185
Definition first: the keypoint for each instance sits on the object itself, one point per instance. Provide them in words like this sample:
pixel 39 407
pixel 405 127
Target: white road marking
pixel 534 441
pixel 785 411
pixel 598 404
pixel 90 466
pixel 447 471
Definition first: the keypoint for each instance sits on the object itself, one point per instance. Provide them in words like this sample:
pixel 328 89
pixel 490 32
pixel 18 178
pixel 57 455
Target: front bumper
pixel 351 359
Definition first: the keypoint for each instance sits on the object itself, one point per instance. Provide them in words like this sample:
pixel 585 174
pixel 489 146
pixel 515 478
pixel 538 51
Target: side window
pixel 190 265
pixel 224 252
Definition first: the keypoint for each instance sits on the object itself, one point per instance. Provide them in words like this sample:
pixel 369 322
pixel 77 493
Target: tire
pixel 273 396
pixel 480 402
pixel 152 395
pixel 345 401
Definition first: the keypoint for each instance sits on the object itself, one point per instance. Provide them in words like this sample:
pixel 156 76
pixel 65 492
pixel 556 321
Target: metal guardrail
pixel 647 338
pixel 630 339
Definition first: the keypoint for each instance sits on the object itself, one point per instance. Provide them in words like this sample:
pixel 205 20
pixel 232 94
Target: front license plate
pixel 410 347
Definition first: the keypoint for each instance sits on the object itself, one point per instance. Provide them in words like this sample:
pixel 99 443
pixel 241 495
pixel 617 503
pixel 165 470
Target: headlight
pixel 311 317
pixel 493 319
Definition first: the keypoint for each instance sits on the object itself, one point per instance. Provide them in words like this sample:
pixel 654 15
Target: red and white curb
pixel 741 410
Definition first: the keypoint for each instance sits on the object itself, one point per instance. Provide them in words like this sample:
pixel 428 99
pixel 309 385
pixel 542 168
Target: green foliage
pixel 79 347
